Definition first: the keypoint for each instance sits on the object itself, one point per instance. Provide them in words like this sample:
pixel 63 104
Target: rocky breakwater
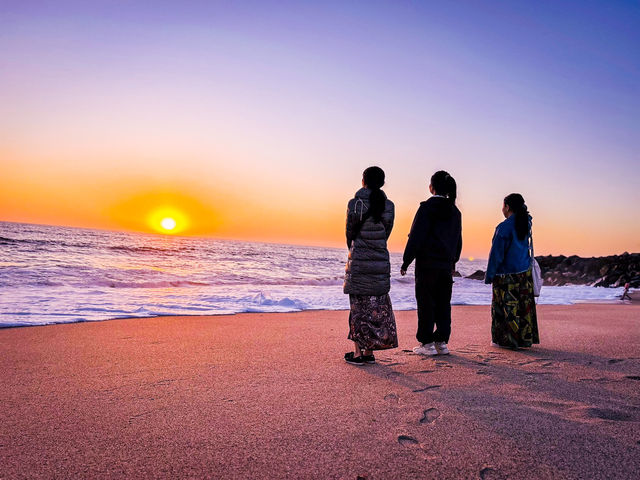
pixel 611 271
pixel 477 275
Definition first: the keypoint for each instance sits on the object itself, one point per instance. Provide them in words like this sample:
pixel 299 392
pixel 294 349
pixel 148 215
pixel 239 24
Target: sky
pixel 255 120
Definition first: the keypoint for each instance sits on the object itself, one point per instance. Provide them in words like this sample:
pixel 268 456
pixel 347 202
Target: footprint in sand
pixel 392 397
pixel 424 389
pixel 418 449
pixel 550 406
pixel 579 412
pixel 407 441
pixel 608 414
pixel 490 473
pixel 600 380
pixel 429 415
pixel 467 350
pixel 470 346
pixel 484 359
pixel 443 365
pixel 528 362
pixel 167 381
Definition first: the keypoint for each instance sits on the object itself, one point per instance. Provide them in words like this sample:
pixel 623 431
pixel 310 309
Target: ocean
pixel 60 275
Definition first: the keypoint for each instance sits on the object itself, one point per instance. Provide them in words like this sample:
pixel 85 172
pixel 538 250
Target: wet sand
pixel 269 396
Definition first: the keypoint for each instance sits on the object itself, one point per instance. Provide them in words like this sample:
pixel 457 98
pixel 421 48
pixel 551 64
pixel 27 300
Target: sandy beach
pixel 269 396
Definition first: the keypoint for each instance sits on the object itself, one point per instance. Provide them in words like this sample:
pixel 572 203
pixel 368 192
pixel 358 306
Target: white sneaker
pixel 426 349
pixel 441 348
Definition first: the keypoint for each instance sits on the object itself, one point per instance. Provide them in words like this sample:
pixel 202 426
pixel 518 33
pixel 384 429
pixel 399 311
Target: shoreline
pixel 260 395
pixel 635 295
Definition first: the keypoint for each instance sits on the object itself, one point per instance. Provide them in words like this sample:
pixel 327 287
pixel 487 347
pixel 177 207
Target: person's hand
pixel 403 272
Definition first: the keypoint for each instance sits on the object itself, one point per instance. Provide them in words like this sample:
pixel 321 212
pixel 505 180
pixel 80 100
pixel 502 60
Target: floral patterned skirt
pixel 372 324
pixel 513 311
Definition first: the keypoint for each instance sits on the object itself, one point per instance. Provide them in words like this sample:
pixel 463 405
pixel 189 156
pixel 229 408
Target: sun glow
pixel 168 220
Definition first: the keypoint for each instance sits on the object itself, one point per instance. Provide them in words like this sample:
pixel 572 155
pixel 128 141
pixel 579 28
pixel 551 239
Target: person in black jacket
pixel 435 243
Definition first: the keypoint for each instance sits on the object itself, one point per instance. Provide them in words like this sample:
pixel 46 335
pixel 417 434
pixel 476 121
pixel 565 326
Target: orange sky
pixel 256 122
pixel 37 191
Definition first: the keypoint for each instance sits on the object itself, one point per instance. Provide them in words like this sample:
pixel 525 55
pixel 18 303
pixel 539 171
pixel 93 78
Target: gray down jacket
pixel 368 269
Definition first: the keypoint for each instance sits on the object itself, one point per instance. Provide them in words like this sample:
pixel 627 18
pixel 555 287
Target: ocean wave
pixel 43 243
pixel 403 280
pixel 158 284
pixel 309 282
pixel 144 249
pixel 93 280
pixel 62 244
pixel 60 275
pixel 266 300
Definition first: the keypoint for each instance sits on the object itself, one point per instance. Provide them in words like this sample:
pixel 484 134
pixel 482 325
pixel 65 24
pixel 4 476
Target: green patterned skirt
pixel 372 324
pixel 513 311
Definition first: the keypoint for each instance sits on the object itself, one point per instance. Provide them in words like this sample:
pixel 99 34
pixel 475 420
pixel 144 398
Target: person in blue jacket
pixel 513 310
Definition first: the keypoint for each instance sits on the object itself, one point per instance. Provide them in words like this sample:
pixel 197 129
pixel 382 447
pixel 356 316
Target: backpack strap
pixel 363 218
pixel 358 227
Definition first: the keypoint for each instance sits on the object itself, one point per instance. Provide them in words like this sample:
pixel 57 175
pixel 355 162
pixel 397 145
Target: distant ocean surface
pixel 61 275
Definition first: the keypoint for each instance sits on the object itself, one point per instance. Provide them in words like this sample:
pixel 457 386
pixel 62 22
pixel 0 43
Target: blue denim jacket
pixel 508 253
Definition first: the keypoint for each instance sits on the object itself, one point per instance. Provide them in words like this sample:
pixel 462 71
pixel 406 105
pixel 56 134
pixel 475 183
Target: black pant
pixel 433 296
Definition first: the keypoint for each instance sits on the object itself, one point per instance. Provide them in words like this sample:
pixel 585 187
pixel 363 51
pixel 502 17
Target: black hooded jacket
pixel 435 240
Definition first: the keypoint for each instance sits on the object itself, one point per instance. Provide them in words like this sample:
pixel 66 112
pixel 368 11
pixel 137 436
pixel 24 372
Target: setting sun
pixel 168 223
pixel 167 211
pixel 168 220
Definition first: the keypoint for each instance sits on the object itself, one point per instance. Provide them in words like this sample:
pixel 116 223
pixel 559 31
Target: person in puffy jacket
pixel 370 216
pixel 435 242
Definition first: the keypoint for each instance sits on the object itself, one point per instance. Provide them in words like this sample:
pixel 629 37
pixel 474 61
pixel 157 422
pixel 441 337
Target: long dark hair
pixel 516 204
pixel 445 185
pixel 373 178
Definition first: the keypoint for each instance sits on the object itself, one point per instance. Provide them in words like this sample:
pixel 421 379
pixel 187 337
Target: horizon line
pixel 266 242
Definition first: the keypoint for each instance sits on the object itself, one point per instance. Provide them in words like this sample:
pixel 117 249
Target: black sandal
pixel 368 358
pixel 350 357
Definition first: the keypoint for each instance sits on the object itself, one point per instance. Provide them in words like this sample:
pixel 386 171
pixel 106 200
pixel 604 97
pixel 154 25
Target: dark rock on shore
pixel 611 271
pixel 477 275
